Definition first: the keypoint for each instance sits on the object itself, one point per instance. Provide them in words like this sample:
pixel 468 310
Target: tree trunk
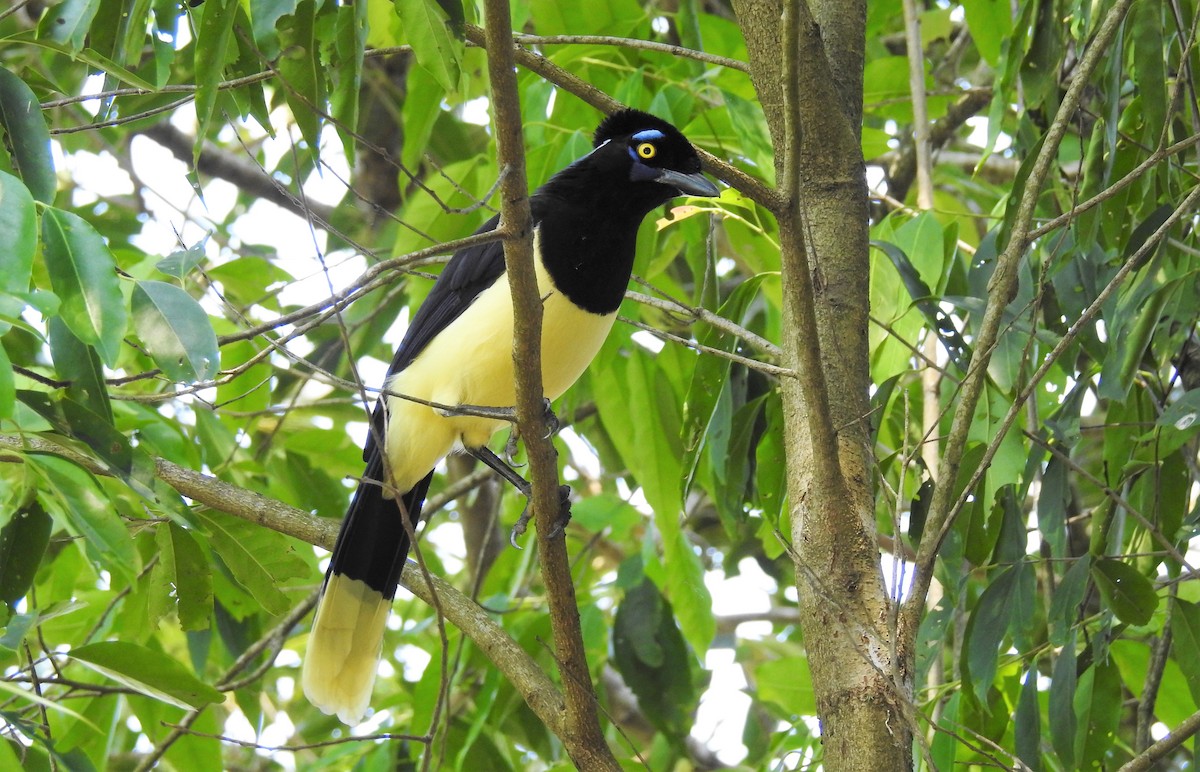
pixel 863 696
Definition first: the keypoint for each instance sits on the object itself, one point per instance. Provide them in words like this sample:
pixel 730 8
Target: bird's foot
pixel 552 422
pixel 560 524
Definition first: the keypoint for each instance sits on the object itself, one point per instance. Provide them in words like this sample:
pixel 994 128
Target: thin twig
pixel 644 45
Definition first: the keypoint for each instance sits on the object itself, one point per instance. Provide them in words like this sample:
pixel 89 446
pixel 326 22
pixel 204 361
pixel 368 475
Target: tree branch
pixel 519 668
pixel 752 187
pixel 246 175
pixel 581 734
pixel 1002 288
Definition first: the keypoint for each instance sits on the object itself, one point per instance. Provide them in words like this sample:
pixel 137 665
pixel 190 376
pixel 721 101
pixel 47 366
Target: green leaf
pixel 259 559
pixel 1027 723
pixel 1064 605
pixel 8 385
pixel 83 275
pixel 182 262
pixel 1100 686
pixel 990 22
pixel 1185 626
pixel 27 136
pixel 79 364
pixel 710 375
pixel 23 542
pixel 68 489
pixel 1178 423
pixel 1061 712
pixel 149 672
pixel 940 322
pixel 427 29
pixel 175 331
pixel 68 22
pixel 1149 71
pixel 787 683
pixel 18 223
pixel 1128 593
pixel 185 563
pixel 266 14
pixel 653 659
pixel 304 75
pixel 212 44
pixel 985 630
pixel 348 69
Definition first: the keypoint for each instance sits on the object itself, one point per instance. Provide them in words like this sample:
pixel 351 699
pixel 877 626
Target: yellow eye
pixel 647 150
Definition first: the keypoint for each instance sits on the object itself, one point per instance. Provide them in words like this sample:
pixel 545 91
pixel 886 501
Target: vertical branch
pixel 582 735
pixel 800 308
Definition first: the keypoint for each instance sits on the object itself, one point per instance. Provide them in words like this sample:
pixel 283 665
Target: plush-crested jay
pixel 458 351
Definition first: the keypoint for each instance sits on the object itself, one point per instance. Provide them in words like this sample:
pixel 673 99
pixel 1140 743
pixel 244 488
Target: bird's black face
pixel 653 154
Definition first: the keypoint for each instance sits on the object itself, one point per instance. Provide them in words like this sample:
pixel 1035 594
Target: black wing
pixel 469 272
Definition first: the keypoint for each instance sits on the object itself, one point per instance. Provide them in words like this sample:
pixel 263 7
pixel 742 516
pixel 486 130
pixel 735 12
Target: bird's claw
pixel 560 524
pixel 552 422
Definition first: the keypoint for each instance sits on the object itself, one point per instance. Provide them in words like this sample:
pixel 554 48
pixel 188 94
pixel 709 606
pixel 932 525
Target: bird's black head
pixel 657 153
pixel 640 161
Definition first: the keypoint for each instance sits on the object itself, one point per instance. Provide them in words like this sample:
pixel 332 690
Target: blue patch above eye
pixel 648 135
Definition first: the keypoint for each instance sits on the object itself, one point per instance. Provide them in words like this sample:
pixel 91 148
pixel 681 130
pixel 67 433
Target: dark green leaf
pixel 985 630
pixel 149 672
pixel 175 331
pixel 1149 71
pixel 653 659
pixel 83 274
pixel 1027 723
pixel 191 574
pixel 1061 712
pixel 1185 626
pixel 23 542
pixel 28 138
pixel 1052 506
pixel 1129 594
pixel 79 365
pixel 348 66
pixel 1064 605
pixel 1100 716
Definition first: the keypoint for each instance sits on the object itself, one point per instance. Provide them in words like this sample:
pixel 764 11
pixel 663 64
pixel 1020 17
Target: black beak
pixel 688 184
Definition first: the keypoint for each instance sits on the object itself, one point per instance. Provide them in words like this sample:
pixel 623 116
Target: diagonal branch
pixel 751 186
pixel 1002 288
pixel 518 667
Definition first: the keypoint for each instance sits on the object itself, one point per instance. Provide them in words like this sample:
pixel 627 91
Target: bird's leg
pixel 498 466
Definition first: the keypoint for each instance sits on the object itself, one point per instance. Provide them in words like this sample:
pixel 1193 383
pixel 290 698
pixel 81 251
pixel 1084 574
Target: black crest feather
pixel 626 122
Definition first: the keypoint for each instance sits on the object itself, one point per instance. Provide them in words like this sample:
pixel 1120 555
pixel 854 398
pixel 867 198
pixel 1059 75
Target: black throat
pixel 587 220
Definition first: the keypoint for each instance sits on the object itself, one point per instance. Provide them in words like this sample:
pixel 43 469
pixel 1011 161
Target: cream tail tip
pixel 343 649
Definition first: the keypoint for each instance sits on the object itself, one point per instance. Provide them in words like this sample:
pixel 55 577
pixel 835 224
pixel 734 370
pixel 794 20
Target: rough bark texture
pixel 845 612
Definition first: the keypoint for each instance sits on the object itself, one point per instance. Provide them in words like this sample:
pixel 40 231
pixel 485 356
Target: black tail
pixel 373 542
